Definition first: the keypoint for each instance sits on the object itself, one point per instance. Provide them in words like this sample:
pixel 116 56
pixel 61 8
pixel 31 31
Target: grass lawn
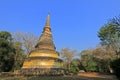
pixel 51 78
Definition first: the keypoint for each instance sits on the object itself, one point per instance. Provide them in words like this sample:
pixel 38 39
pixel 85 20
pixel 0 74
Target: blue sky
pixel 74 23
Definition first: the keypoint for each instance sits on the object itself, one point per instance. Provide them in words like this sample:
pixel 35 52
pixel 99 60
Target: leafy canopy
pixel 7 51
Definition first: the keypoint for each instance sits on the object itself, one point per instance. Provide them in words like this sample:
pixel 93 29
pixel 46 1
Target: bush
pixel 91 67
pixel 72 70
pixel 115 64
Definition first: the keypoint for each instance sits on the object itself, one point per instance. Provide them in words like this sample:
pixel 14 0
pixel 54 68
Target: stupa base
pixel 42 71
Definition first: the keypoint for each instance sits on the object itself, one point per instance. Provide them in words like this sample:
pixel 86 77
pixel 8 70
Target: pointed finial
pixel 48 21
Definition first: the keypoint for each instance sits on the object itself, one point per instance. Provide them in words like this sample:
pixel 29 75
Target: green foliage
pixel 11 54
pixel 109 35
pixel 74 68
pixel 92 66
pixel 115 64
pixel 19 56
pixel 7 51
pixel 95 60
pixel 67 55
pixel 87 61
pixel 5 36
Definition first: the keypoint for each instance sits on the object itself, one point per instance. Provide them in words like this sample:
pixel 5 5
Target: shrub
pixel 72 70
pixel 91 66
pixel 115 64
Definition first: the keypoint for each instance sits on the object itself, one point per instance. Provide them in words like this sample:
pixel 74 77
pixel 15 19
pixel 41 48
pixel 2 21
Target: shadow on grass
pixel 50 78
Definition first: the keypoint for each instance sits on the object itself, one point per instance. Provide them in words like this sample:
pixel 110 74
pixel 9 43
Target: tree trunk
pixel 110 69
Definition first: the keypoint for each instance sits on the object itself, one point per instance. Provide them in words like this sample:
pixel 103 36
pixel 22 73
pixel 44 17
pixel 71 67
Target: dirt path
pixel 99 75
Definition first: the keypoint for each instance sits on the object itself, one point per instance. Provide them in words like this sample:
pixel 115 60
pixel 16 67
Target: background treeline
pixel 15 47
pixel 104 58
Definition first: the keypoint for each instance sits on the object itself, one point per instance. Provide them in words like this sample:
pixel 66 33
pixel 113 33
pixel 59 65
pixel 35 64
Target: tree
pixel 115 64
pixel 7 51
pixel 87 60
pixel 103 57
pixel 28 40
pixel 92 66
pixel 109 35
pixel 97 59
pixel 19 56
pixel 75 65
pixel 67 55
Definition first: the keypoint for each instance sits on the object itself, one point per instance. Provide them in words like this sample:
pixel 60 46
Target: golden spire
pixel 48 21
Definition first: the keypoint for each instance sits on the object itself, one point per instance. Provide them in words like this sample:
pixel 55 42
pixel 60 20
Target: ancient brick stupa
pixel 44 60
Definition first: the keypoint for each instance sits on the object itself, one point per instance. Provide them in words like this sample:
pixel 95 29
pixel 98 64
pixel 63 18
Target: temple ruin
pixel 44 60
